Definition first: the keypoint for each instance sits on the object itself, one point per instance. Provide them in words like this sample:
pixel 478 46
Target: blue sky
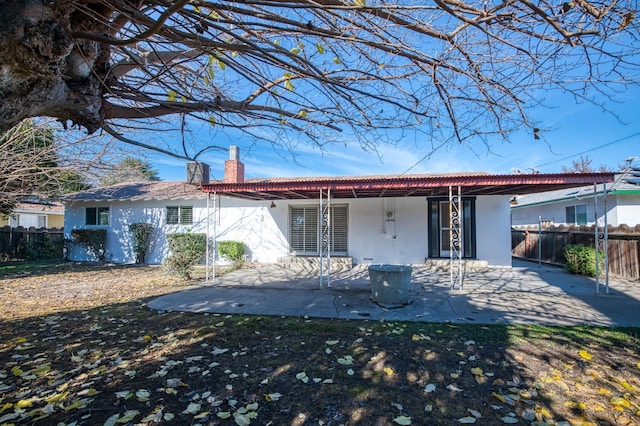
pixel 607 138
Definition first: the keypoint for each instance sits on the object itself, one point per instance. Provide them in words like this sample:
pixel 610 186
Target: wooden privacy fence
pixel 624 245
pixel 31 243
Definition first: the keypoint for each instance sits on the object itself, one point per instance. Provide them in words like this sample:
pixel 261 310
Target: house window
pixel 28 220
pixel 97 216
pixel 576 215
pixel 440 228
pixel 304 230
pixel 180 215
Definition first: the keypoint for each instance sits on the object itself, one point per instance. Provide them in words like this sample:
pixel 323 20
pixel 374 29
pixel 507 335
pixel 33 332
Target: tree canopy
pixel 33 163
pixel 462 70
pixel 129 169
pixel 584 165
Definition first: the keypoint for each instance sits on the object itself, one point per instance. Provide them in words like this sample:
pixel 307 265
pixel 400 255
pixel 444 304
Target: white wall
pixel 262 229
pixel 493 232
pixel 372 239
pixel 626 210
pixel 376 237
pixel 381 230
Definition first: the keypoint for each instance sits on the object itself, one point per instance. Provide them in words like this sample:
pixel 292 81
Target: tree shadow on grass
pixel 186 368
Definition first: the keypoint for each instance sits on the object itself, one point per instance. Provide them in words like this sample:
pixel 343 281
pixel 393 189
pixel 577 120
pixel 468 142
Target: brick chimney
pixel 233 167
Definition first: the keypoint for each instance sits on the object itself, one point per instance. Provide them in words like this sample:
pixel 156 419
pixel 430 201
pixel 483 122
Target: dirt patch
pixel 47 289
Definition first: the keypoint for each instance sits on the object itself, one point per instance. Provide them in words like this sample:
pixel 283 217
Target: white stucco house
pixel 172 207
pixel 404 219
pixel 576 206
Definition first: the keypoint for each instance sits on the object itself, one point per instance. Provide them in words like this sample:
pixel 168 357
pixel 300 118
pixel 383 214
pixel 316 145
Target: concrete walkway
pixel 524 294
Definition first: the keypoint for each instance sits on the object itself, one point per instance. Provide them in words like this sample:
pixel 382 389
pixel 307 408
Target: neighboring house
pixel 35 213
pixel 576 206
pixel 401 219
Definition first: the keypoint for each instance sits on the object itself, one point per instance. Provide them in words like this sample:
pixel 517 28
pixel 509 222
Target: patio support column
pixel 601 237
pixel 455 237
pixel 325 238
pixel 210 261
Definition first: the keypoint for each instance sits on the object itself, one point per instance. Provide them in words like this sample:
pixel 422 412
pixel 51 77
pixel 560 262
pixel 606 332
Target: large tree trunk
pixel 44 71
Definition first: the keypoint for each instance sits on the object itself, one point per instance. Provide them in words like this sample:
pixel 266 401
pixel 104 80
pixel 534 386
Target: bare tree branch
pixel 464 70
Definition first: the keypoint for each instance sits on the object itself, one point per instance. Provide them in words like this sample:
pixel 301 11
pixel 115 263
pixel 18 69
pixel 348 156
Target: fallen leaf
pixel 430 388
pixel 143 395
pixel 474 413
pixel 273 396
pixel 575 405
pixel 477 371
pixel 347 360
pixel 388 371
pixel 112 420
pixel 192 408
pixel 467 420
pixel 241 419
pixel 24 403
pixel 585 355
pixel 620 402
pixel 501 398
pixel 402 420
pixel 127 416
pixel 509 420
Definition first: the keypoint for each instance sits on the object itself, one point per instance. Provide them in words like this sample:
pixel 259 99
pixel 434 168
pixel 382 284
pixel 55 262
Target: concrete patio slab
pixel 523 294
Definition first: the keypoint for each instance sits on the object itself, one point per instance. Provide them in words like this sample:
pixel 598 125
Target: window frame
pixel 307 241
pixel 181 216
pixel 469 227
pixel 578 218
pixel 99 213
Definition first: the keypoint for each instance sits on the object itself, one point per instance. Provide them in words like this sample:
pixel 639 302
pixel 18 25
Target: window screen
pixel 304 230
pixel 339 230
pixel 180 215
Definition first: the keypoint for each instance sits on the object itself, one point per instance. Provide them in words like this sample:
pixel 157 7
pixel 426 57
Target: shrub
pixel 94 240
pixel 46 249
pixel 187 250
pixel 233 251
pixel 581 260
pixel 141 233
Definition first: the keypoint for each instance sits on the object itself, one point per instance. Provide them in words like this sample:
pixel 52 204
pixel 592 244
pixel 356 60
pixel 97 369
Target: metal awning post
pixel 455 238
pixel 601 237
pixel 210 262
pixel 606 240
pixel 325 238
